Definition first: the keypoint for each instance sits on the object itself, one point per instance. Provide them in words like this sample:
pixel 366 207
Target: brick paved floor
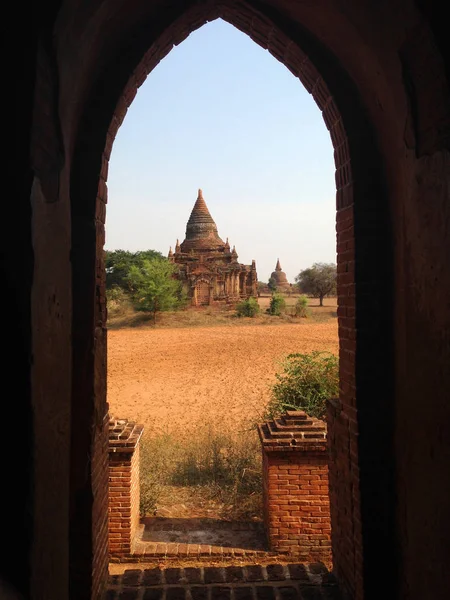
pixel 198 539
pixel 215 532
pixel 251 582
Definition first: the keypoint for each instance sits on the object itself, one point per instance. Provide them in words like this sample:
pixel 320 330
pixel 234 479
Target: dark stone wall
pixel 379 73
pixel 423 390
pixel 16 269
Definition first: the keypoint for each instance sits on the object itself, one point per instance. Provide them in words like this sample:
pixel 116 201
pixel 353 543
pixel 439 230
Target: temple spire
pixel 201 230
pixel 200 211
pixel 278 267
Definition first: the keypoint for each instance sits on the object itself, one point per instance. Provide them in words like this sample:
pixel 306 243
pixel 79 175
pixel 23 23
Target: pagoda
pixel 279 276
pixel 208 268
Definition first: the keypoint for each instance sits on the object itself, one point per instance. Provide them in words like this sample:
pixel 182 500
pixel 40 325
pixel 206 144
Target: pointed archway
pixel 359 474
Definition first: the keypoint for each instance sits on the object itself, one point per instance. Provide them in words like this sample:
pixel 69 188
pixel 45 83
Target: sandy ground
pixel 174 380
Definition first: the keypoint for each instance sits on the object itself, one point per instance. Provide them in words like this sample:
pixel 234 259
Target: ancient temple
pixel 279 276
pixel 208 268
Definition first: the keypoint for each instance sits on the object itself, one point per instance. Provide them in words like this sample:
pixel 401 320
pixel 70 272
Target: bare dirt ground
pixel 175 380
pixel 180 379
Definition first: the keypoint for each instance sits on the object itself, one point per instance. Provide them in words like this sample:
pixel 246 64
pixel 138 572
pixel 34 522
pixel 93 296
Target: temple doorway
pixel 202 293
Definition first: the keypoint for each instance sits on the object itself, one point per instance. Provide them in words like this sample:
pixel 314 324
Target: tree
pixel 318 281
pixel 272 284
pixel 154 286
pixel 119 262
pixel 262 288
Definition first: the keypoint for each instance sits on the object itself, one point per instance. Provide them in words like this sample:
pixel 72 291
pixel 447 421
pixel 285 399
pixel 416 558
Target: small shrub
pixel 306 383
pixel 277 305
pixel 301 307
pixel 248 308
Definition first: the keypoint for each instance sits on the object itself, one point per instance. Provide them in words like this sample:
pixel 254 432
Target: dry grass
pixel 195 369
pixel 124 315
pixel 214 473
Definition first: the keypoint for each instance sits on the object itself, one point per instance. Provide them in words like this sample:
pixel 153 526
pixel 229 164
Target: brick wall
pixel 99 509
pixel 342 497
pixel 134 495
pixel 123 486
pixel 295 486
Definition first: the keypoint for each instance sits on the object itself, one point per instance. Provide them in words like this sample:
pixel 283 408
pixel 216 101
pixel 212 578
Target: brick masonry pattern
pixel 123 511
pixel 252 582
pixel 295 486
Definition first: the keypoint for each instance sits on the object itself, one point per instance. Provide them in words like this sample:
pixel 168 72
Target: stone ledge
pixel 255 574
pixel 124 435
pixel 294 431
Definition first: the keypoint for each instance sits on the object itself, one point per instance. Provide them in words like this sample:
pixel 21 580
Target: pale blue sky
pixel 221 114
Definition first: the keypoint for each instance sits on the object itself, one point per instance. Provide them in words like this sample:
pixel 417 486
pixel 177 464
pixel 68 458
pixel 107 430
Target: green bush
pixel 306 383
pixel 301 307
pixel 277 305
pixel 248 308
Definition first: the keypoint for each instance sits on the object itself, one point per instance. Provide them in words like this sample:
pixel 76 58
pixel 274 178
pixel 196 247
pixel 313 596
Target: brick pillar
pixel 295 486
pixel 124 439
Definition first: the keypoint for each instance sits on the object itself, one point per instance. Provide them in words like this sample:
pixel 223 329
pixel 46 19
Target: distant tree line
pixel 118 264
pixel 317 281
pixel 148 279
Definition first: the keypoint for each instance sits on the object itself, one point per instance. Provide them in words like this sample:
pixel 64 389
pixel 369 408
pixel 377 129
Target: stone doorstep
pixel 284 591
pixel 311 574
pixel 191 551
pixel 250 582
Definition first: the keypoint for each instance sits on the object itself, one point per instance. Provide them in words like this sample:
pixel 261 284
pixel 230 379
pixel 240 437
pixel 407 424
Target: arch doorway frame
pixel 361 478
